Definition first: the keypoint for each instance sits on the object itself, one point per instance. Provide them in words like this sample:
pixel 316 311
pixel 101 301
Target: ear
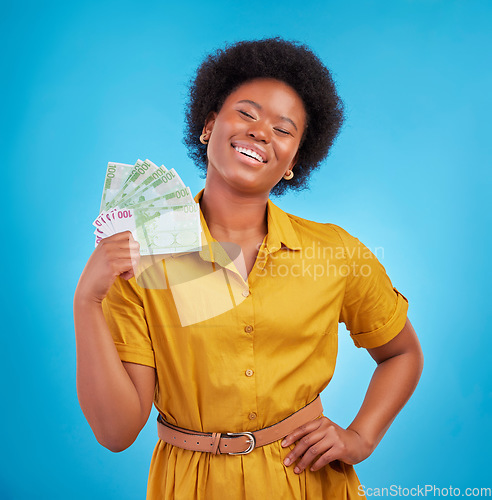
pixel 209 123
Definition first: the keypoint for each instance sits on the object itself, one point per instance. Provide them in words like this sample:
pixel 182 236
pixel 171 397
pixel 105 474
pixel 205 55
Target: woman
pixel 262 115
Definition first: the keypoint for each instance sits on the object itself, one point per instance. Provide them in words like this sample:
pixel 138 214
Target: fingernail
pixel 297 470
pixel 287 461
pixel 284 442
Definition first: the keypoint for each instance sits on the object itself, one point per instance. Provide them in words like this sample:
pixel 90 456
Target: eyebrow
pixel 257 106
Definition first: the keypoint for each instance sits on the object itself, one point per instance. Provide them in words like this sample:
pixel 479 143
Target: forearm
pixel 400 363
pixel 106 393
pixel 391 386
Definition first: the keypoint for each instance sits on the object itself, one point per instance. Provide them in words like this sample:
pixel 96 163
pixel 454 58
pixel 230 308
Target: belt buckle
pixel 251 441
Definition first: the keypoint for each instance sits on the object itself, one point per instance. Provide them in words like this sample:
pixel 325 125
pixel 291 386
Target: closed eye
pixel 282 131
pixel 246 114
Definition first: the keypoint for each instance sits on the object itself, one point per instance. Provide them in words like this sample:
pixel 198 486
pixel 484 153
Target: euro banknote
pixel 153 203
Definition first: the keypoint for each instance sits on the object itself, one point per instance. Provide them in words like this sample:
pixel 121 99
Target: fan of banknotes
pixel 153 203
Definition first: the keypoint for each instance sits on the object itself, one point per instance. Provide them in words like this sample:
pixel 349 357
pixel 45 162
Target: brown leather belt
pixel 236 443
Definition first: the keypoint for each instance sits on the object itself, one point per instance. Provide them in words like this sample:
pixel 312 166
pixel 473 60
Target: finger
pixel 111 254
pixel 124 235
pixel 121 266
pixel 300 432
pixel 131 272
pixel 318 448
pixel 123 243
pixel 134 250
pixel 121 240
pixel 326 458
pixel 303 445
pixel 127 275
pixel 131 246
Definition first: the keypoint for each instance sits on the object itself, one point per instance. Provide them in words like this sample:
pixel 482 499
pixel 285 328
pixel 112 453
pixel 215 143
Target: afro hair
pixel 293 63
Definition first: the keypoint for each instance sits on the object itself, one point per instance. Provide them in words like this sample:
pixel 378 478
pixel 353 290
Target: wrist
pixel 367 443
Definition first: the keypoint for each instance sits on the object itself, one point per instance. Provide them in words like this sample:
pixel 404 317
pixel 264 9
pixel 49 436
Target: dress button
pixel 248 328
pixel 249 372
pixel 245 293
pixel 252 415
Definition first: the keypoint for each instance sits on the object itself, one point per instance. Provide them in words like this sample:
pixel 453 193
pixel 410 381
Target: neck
pixel 232 215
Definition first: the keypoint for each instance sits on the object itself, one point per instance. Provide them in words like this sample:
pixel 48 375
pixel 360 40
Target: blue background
pixel 89 82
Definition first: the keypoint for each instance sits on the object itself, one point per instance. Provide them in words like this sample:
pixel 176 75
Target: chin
pixel 239 179
pixel 246 185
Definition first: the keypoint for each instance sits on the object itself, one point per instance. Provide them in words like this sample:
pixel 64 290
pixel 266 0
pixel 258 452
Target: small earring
pixel 288 175
pixel 203 138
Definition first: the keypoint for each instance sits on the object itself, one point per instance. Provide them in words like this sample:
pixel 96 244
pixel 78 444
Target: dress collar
pixel 280 233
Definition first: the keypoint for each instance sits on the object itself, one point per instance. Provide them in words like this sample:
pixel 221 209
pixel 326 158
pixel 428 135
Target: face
pixel 254 138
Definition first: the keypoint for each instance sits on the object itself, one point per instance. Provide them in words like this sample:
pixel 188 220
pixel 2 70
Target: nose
pixel 258 130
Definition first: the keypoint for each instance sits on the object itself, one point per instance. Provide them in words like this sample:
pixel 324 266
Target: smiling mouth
pixel 249 153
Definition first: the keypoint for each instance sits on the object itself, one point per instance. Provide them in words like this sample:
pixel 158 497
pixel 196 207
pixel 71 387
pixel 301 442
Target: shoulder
pixel 322 231
pixel 299 232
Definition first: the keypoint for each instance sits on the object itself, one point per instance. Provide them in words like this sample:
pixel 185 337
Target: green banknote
pixel 180 196
pixel 116 175
pixel 154 204
pixel 166 186
pixel 171 230
pixel 155 182
pixel 140 171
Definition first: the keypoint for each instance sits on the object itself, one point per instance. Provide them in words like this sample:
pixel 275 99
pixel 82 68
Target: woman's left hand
pixel 324 437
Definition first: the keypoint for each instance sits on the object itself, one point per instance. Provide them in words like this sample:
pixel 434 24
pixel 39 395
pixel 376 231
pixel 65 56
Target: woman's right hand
pixel 114 256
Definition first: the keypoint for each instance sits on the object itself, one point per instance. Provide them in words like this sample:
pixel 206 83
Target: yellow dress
pixel 234 356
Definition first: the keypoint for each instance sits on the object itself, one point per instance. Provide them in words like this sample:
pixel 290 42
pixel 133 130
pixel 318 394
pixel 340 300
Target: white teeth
pixel 249 152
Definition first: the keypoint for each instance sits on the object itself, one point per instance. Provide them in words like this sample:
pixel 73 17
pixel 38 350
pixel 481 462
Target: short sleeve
pixel 125 316
pixel 373 310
